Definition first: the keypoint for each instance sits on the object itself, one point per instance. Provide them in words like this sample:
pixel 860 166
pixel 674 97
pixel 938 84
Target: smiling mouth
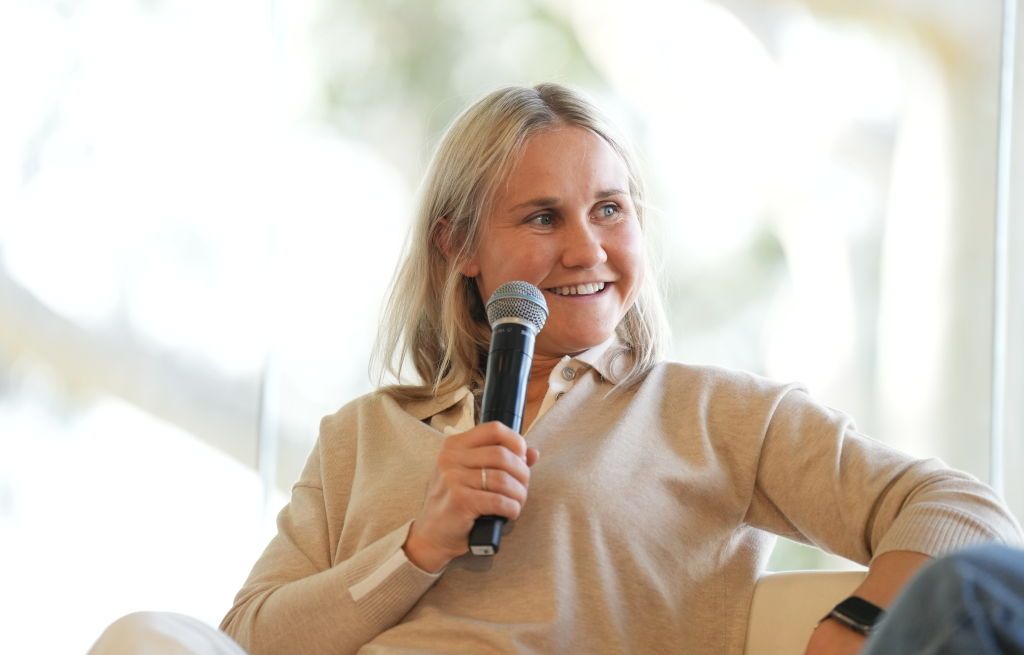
pixel 588 289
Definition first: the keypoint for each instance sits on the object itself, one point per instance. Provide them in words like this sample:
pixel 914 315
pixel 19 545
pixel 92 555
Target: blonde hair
pixel 435 315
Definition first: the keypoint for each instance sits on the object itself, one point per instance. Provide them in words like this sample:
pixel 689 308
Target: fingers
pixel 496 458
pixel 492 433
pixel 489 446
pixel 469 482
pixel 499 482
pixel 456 496
pixel 499 505
pixel 489 503
pixel 465 496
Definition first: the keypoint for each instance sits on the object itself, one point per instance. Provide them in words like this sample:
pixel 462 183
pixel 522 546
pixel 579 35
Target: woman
pixel 652 507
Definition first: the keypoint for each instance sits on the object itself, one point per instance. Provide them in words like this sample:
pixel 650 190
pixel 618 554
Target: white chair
pixel 788 605
pixel 784 610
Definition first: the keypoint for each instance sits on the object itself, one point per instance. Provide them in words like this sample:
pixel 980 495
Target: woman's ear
pixel 470 268
pixel 439 235
pixel 443 240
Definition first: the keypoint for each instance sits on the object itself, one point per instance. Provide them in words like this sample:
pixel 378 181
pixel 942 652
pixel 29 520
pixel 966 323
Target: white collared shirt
pixel 562 378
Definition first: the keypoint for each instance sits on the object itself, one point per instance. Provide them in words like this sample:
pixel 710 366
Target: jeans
pixel 969 602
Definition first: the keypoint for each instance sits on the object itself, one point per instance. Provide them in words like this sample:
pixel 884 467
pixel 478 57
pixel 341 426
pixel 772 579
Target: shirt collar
pixel 599 358
pixel 424 409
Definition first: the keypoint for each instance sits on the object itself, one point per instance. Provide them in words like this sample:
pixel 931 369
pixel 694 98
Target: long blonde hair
pixel 434 314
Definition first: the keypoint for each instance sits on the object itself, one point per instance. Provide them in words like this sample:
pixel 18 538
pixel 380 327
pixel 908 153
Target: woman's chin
pixel 574 346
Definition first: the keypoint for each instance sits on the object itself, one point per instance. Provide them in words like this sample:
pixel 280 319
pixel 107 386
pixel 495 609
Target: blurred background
pixel 202 204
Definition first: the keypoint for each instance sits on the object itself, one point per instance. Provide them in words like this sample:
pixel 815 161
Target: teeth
pixel 579 289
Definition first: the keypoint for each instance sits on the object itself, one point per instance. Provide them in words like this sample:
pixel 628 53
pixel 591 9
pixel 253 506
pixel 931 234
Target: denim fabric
pixel 969 602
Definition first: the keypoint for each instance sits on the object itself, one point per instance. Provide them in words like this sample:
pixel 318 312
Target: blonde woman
pixel 643 495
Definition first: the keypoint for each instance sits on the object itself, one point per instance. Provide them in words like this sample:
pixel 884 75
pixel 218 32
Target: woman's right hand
pixel 455 497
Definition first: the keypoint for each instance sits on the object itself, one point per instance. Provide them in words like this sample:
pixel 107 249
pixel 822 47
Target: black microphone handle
pixel 508 371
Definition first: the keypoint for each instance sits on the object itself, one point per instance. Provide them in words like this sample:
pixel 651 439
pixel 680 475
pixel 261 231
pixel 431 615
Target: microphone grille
pixel 520 300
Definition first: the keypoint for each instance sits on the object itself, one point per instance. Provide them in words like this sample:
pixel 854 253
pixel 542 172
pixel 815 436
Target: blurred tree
pixel 395 73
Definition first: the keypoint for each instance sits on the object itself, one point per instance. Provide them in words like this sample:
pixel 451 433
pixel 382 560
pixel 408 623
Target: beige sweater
pixel 650 516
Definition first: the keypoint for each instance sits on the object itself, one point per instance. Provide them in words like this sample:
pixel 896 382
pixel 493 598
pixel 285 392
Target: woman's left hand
pixel 833 638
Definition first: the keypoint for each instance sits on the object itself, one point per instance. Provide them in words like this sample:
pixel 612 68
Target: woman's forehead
pixel 563 161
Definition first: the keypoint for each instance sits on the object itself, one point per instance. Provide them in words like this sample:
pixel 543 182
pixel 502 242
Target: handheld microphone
pixel 517 312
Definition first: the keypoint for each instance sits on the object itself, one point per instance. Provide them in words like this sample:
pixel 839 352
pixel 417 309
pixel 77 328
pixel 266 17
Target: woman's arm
pixel 309 593
pixel 820 481
pixel 297 600
pixel 888 574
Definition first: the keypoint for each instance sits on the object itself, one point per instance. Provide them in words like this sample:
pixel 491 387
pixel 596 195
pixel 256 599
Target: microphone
pixel 517 312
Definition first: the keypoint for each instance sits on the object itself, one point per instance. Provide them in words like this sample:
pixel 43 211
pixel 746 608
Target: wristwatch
pixel 857 614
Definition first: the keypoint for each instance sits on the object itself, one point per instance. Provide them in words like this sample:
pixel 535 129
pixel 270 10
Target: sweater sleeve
pixel 820 481
pixel 298 600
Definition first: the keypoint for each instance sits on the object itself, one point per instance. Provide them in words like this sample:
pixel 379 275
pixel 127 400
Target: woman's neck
pixel 537 387
pixel 540 371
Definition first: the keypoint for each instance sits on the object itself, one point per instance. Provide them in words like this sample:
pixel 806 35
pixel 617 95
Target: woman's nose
pixel 582 248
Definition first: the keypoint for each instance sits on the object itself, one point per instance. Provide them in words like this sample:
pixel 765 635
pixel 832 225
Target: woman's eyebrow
pixel 536 202
pixel 550 201
pixel 607 193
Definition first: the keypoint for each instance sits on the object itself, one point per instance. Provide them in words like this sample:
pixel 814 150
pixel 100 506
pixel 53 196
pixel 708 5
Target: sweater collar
pixel 424 409
pixel 598 358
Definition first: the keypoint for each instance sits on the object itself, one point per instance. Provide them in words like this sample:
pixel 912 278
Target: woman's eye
pixel 543 219
pixel 607 211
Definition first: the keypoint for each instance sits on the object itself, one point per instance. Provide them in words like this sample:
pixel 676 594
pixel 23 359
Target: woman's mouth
pixel 587 289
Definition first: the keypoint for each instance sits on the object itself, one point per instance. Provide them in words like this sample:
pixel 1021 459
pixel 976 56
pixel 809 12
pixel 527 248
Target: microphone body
pixel 508 370
pixel 517 312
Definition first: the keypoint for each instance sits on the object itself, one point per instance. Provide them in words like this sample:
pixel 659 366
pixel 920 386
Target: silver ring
pixel 483 479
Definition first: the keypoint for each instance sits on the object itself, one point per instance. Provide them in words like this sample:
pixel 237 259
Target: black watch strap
pixel 857 614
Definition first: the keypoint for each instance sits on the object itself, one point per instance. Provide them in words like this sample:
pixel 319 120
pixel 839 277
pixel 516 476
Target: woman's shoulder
pixel 723 401
pixel 390 408
pixel 368 408
pixel 719 383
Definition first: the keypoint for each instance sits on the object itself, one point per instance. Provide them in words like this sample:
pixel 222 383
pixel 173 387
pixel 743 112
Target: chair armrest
pixel 787 606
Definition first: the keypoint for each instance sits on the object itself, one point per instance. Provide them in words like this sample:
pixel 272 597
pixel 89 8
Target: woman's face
pixel 564 221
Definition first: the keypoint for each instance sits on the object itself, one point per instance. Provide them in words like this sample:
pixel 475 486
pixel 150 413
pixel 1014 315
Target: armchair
pixel 787 606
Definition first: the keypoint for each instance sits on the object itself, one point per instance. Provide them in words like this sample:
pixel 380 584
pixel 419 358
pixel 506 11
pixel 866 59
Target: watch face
pixel 860 610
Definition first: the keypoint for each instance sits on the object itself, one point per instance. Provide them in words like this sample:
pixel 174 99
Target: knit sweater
pixel 651 513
